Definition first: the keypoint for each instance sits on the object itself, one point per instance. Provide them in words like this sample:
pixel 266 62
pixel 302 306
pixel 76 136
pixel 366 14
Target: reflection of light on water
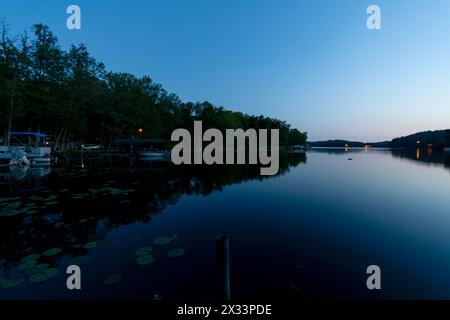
pixel 21 172
pixel 41 171
pixel 430 152
pixel 418 153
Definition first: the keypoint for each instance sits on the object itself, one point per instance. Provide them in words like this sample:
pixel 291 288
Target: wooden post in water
pixel 223 267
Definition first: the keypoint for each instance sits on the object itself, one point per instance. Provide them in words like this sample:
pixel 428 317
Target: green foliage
pixel 71 96
pixel 437 139
pixel 297 138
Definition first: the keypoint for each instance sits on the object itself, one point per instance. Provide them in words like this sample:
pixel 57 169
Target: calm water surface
pixel 309 232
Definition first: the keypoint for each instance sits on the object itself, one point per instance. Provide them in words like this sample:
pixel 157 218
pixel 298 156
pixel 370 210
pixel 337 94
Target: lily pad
pixel 9 199
pixel 52 252
pixel 144 251
pixel 176 253
pixel 51 197
pixel 10 283
pixel 9 213
pixel 112 279
pixel 43 275
pixel 31 257
pixel 37 268
pixel 27 265
pixel 15 205
pixel 80 260
pixel 145 260
pixel 91 245
pixel 161 241
pixel 51 203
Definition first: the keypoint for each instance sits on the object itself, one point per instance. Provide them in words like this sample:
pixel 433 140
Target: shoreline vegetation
pixel 73 98
pixel 438 139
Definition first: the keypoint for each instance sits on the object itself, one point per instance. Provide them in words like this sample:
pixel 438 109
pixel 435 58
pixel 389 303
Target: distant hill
pixel 337 144
pixel 436 139
pixel 346 143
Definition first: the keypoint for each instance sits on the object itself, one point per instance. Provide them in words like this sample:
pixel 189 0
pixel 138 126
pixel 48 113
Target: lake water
pixel 309 232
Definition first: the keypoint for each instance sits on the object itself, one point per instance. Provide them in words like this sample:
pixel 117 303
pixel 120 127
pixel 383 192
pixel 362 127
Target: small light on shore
pixel 141 130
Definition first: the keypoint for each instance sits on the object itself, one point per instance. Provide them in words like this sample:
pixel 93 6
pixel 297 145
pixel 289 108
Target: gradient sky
pixel 313 63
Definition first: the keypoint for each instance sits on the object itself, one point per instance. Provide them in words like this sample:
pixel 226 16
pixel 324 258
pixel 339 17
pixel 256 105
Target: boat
pixel 13 156
pixel 37 155
pixel 90 147
pixel 153 155
pixel 5 155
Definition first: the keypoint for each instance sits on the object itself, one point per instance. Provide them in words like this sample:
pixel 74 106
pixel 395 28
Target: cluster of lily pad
pixel 174 252
pixel 14 206
pixel 6 283
pixel 162 241
pixel 144 256
pixel 105 191
pixel 35 271
pixel 79 260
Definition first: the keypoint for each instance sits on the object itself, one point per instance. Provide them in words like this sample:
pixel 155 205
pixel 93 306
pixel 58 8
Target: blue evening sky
pixel 313 63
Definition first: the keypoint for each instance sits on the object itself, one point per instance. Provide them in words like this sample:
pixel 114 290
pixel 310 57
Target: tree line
pixel 436 139
pixel 74 98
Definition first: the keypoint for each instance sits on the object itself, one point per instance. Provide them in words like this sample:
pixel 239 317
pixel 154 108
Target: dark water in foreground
pixel 309 232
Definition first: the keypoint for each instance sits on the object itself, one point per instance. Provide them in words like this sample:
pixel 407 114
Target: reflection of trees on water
pixel 338 151
pixel 424 156
pixel 74 222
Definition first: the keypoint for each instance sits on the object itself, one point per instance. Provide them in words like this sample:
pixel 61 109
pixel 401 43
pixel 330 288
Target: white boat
pixel 35 155
pixel 90 147
pixel 151 154
pixel 39 156
pixel 5 153
pixel 13 156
